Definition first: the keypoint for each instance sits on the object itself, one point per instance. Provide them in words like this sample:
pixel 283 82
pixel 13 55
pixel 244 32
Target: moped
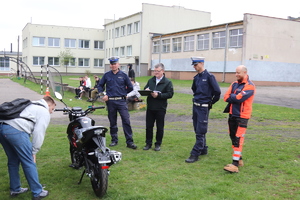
pixel 88 146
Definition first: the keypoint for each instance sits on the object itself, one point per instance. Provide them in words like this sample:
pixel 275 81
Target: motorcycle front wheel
pixel 99 179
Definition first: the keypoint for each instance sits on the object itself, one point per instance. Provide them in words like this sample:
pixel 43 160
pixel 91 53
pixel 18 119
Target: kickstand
pixel 81 177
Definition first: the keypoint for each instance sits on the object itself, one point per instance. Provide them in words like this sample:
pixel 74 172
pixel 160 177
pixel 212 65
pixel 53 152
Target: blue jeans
pixel 18 149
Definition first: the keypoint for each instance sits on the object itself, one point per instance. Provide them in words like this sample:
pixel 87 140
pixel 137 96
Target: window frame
pixel 83 43
pixel 129 29
pixel 39 43
pixel 219 40
pixel 177 44
pixel 203 43
pixel 69 41
pixel 83 62
pixel 238 37
pixel 156 46
pixel 98 61
pixel 40 59
pixel 166 44
pixel 189 45
pixel 53 41
pixel 55 61
pixel 136 27
pixel 129 50
pixel 100 44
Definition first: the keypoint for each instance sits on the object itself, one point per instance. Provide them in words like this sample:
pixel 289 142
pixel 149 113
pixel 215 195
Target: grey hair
pixel 160 65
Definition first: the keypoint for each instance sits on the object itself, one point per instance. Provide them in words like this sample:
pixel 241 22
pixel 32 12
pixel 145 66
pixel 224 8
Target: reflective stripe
pixel 201 105
pixel 237 152
pixel 235 158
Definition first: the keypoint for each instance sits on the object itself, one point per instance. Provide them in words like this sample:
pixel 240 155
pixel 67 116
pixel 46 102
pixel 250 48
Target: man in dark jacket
pixel 131 73
pixel 162 89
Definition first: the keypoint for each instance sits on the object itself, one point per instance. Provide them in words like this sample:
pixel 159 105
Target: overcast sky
pixel 15 14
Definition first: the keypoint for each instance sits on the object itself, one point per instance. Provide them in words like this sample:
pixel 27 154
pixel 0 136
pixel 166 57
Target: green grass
pixel 271 156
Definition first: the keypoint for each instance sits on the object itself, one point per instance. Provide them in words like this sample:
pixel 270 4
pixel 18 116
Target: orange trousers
pixel 237 131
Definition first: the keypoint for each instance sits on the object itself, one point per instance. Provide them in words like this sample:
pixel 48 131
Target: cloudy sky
pixel 15 14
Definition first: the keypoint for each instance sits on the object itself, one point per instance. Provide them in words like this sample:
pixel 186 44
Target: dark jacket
pixel 131 73
pixel 166 91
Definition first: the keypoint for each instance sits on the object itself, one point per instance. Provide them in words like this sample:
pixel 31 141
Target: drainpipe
pixel 225 54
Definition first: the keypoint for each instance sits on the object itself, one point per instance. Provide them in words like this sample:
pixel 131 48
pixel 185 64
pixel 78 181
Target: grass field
pixel 271 155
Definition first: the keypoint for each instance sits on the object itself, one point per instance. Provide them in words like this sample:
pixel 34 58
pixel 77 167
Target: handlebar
pixel 81 113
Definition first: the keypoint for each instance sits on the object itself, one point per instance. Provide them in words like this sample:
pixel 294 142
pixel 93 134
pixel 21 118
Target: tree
pixel 66 58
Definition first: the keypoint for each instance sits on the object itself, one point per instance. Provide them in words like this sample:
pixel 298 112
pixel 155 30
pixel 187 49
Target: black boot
pixel 192 159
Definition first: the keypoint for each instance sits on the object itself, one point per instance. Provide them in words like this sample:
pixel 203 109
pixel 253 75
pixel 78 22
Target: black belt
pixel 115 98
pixel 201 104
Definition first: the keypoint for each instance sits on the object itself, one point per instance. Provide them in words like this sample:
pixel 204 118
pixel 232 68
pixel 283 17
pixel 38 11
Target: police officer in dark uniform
pixel 117 86
pixel 206 92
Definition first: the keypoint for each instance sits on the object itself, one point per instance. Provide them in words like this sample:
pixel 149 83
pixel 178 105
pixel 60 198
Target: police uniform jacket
pixel 206 89
pixel 166 91
pixel 117 85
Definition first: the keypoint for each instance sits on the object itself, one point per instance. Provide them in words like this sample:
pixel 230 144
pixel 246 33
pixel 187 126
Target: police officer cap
pixel 113 60
pixel 196 60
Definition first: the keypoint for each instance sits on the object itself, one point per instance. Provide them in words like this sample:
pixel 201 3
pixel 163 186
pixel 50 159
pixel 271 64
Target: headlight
pixel 98 131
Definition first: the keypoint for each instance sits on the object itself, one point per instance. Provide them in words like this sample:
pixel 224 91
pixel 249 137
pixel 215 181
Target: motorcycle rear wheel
pixel 99 179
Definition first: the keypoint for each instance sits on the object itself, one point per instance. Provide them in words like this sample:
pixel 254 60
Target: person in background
pixel 131 73
pixel 240 97
pixel 134 95
pixel 117 86
pixel 79 88
pixel 15 138
pixel 206 92
pixel 157 105
pixel 94 91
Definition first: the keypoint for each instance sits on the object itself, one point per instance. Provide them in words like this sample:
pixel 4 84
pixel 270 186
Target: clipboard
pixel 145 92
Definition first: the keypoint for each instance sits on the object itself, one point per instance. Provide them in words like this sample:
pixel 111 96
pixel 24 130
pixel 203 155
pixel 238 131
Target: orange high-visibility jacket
pixel 240 96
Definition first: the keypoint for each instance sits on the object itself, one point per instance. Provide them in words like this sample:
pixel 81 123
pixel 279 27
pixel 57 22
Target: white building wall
pixel 62 32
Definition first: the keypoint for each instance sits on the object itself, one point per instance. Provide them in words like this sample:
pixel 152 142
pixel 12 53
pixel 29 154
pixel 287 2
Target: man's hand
pixel 154 94
pixel 105 98
pixel 34 158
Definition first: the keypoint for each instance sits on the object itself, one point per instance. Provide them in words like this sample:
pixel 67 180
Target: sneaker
pixel 231 168
pixel 112 144
pixel 79 98
pixel 43 194
pixel 23 190
pixel 147 147
pixel 131 146
pixel 192 159
pixel 241 163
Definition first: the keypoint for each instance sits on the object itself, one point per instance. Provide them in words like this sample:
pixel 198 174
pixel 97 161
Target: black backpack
pixel 12 109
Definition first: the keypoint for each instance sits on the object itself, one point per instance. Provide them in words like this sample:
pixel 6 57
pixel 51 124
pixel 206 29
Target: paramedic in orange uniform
pixel 239 96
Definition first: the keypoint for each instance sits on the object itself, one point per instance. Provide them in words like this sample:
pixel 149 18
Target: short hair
pixel 132 79
pixel 49 99
pixel 160 65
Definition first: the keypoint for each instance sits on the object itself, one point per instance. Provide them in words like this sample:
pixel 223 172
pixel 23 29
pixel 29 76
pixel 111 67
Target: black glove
pixel 210 105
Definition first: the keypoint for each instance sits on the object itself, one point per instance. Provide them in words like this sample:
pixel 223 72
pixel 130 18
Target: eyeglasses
pixel 157 70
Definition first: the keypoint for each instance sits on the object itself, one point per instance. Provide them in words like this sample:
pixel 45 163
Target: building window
pixel 122 51
pixel 136 27
pixel 177 44
pixel 117 51
pixel 83 62
pixel 189 43
pixel 122 31
pixel 236 38
pixel 166 46
pixel 129 50
pixel 156 46
pixel 70 43
pixel 54 61
pixel 38 41
pixel 4 64
pixel 109 34
pixel 203 41
pixel 219 39
pixel 117 32
pixel 53 42
pixel 99 44
pixel 98 62
pixel 129 29
pixel 38 60
pixel 84 44
pixel 25 43
pixel 70 62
